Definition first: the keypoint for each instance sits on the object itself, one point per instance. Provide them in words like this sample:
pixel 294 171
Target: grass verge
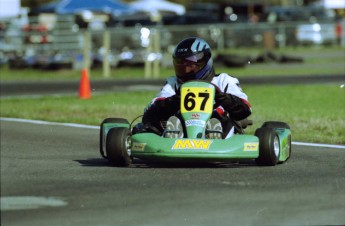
pixel 314 112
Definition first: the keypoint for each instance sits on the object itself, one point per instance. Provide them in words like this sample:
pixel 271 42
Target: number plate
pixel 197 99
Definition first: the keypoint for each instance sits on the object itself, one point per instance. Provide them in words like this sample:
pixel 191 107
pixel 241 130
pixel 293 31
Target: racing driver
pixel 192 60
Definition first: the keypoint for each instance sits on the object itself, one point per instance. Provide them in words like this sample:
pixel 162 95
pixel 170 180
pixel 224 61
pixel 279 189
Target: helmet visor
pixel 186 68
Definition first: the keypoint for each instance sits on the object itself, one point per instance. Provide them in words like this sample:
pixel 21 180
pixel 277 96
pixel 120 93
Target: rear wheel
pixel 101 132
pixel 269 146
pixel 118 146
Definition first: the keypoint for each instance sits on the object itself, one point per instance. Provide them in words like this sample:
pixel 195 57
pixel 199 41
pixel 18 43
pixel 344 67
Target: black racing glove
pixel 234 105
pixel 161 110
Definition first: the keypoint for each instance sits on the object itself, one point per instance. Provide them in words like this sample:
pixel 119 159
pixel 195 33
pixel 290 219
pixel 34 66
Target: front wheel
pixel 102 135
pixel 281 125
pixel 269 146
pixel 118 146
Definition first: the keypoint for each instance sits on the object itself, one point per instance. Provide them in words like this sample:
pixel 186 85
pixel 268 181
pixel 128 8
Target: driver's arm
pixel 164 105
pixel 161 109
pixel 230 96
pixel 237 108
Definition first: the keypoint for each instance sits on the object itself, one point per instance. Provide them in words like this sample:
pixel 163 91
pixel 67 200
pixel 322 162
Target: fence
pixel 137 43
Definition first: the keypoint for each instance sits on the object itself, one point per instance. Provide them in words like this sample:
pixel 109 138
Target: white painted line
pixel 29 202
pixel 97 127
pixel 319 145
pixel 48 123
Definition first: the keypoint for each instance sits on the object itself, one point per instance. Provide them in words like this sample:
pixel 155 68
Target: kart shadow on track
pixel 148 164
pixel 138 163
pixel 96 162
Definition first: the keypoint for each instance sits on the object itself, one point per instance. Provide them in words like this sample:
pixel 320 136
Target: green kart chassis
pixel 270 145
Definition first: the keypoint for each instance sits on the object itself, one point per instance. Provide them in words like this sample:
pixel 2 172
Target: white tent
pixel 334 4
pixel 9 9
pixel 158 6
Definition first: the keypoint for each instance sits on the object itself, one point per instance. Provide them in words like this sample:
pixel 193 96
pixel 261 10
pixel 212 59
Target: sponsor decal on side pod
pixel 251 146
pixel 138 146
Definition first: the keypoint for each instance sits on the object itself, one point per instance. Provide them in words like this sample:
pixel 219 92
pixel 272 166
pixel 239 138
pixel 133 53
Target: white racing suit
pixel 231 100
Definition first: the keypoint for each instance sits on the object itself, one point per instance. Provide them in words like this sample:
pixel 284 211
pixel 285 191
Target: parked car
pixel 311 24
pixel 316 33
pixel 320 28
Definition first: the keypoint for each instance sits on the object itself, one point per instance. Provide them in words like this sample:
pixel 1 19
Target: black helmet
pixel 193 60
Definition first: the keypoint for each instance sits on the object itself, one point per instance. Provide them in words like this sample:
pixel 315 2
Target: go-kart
pixel 270 145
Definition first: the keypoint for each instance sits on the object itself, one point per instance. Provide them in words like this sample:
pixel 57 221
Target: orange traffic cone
pixel 84 87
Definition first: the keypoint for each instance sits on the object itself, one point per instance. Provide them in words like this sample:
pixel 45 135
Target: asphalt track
pixel 54 175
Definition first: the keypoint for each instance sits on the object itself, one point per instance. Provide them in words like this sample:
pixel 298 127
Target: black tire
pixel 269 146
pixel 275 124
pixel 108 120
pixel 118 146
